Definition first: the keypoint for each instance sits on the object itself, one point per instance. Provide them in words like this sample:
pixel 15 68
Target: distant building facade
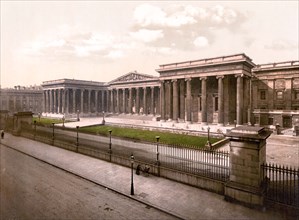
pixel 221 90
pixel 275 89
pixel 22 98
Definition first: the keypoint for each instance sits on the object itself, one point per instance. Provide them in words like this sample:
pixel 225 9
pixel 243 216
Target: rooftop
pixel 206 62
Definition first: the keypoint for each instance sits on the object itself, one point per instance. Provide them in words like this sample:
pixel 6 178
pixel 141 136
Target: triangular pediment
pixel 131 77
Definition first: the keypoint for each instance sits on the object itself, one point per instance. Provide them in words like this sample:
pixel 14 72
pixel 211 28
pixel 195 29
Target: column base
pixel 204 123
pixel 188 122
pixel 221 124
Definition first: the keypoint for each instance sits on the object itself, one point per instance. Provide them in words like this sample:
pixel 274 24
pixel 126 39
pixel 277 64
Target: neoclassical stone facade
pixel 221 90
pixel 21 98
pixel 275 89
pixel 215 90
pixel 69 96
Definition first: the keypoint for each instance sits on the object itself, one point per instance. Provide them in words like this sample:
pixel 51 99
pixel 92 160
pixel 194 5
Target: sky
pixel 103 40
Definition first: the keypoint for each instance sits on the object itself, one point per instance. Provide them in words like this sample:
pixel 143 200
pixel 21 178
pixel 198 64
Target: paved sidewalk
pixel 182 200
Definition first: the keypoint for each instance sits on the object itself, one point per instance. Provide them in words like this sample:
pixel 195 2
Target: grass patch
pixel 145 135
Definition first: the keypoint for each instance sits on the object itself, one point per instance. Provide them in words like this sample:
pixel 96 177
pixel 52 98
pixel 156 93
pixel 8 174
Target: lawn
pixel 46 121
pixel 145 135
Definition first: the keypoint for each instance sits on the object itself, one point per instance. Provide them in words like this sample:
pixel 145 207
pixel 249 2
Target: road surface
pixel 31 189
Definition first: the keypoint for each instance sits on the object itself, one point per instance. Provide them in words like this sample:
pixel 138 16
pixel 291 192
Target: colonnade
pixel 134 100
pixel 179 95
pixel 72 100
pixel 206 99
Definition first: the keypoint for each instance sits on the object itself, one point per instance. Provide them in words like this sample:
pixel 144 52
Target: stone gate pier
pixel 247 154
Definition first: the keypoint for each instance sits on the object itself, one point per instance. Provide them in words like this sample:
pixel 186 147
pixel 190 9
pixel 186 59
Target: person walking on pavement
pixel 2 134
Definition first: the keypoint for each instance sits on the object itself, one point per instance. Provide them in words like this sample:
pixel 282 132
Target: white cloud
pixel 73 43
pixel 201 42
pixel 114 54
pixel 146 15
pixel 281 45
pixel 146 35
pixel 221 15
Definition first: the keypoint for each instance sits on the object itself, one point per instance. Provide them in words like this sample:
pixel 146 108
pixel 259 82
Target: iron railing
pixel 282 184
pixel 201 162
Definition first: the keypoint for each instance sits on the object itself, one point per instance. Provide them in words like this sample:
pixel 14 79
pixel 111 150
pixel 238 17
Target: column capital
pixel 188 79
pixel 239 75
pixel 203 78
pixel 219 77
pixel 174 80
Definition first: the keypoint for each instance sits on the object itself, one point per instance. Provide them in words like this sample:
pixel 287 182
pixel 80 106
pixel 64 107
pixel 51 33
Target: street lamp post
pixel 110 144
pixel 34 128
pixel 77 143
pixel 208 144
pixel 53 132
pixel 132 180
pixel 63 119
pixel 78 119
pixel 157 152
pixel 103 121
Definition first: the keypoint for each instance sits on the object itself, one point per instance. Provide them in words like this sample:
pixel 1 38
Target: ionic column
pixel 169 99
pixel 58 101
pixel 220 101
pixel 162 101
pixel 82 101
pixel 152 100
pixel 188 100
pixel 108 101
pixel 74 100
pixel 239 100
pixel 117 101
pixel 175 100
pixel 51 101
pixel 112 100
pixel 63 102
pixel 204 118
pixel 47 101
pixel 55 101
pixel 103 101
pixel 182 99
pixel 67 107
pixel 89 102
pixel 137 100
pixel 130 101
pixel 124 101
pixel 144 101
pixel 96 93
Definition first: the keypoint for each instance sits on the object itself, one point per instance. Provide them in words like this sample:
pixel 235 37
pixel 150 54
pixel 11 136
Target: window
pixel 270 121
pixel 279 95
pixel 296 94
pixel 263 95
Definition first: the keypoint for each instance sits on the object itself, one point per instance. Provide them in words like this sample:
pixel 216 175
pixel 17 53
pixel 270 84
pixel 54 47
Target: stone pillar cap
pixel 248 132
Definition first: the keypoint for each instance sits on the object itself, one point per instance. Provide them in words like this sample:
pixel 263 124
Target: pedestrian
pixel 2 134
pixel 138 168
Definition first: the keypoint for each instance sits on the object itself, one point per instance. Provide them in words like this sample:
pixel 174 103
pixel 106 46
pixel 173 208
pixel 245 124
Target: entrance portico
pixel 135 93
